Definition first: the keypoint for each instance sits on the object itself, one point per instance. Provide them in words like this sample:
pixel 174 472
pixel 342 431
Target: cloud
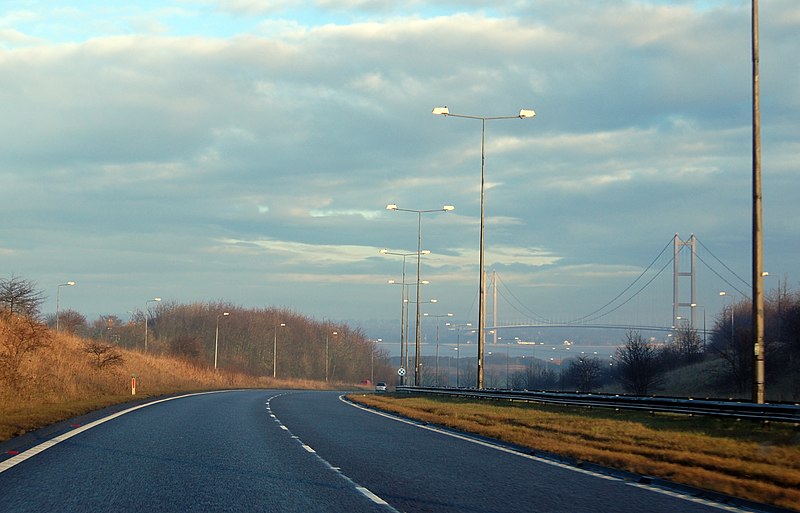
pixel 265 136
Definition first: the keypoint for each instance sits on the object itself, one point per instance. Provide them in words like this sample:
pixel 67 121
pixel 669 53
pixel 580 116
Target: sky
pixel 245 151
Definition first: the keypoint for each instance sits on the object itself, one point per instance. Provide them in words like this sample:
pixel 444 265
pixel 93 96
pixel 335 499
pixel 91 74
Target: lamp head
pixel 441 111
pixel 526 113
pixel 391 206
pixel 70 283
pixel 448 208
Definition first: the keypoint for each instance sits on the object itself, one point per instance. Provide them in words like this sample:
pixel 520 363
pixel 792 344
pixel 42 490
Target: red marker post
pixel 133 384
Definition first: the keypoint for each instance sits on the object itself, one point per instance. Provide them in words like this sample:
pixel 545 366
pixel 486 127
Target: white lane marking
pixel 361 489
pixel 33 451
pixel 374 498
pixel 539 459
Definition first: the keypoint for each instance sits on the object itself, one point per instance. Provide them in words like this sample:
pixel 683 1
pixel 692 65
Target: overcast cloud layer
pixel 205 150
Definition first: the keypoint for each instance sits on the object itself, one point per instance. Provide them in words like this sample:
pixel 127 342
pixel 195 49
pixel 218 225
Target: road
pixel 247 451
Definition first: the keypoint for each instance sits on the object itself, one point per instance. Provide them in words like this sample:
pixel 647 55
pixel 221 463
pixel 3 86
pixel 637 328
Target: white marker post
pixel 133 384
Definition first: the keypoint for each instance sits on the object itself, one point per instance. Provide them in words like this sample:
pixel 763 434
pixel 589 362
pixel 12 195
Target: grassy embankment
pixel 59 382
pixel 741 459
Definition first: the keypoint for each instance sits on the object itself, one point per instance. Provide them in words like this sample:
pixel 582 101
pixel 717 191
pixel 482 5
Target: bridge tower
pixel 678 273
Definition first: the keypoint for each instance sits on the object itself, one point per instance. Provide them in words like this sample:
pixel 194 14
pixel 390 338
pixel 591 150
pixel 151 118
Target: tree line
pixel 258 341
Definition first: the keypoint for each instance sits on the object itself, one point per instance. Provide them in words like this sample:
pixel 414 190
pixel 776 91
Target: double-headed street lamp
pixel 437 317
pixel 523 114
pixel 146 315
pixel 58 297
pixel 458 328
pixel 216 338
pixel 402 299
pixel 446 208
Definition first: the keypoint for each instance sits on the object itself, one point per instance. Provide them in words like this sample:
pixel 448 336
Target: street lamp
pixel 733 309
pixel 446 208
pixel 326 353
pixel 523 114
pixel 695 305
pixel 275 349
pixel 58 297
pixel 146 315
pixel 458 328
pixel 403 301
pixel 216 338
pixel 437 317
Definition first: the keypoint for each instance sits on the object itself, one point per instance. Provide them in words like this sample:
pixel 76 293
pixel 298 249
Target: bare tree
pixel 103 355
pixel 69 321
pixel 20 296
pixel 585 372
pixel 639 366
pixel 731 340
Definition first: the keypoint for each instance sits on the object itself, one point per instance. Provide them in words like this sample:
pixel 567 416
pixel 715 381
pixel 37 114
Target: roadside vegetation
pixel 741 459
pixel 48 375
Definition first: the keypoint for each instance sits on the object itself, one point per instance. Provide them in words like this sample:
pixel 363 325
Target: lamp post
pixel 695 305
pixel 733 309
pixel 146 315
pixel 446 208
pixel 402 299
pixel 58 297
pixel 216 338
pixel 523 114
pixel 326 353
pixel 275 349
pixel 417 354
pixel 458 328
pixel 437 317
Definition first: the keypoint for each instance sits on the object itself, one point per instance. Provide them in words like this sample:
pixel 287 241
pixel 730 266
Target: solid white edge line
pixel 33 451
pixel 509 450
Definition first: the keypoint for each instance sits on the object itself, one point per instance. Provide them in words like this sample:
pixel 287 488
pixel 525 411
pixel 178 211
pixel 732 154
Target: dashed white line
pixel 361 489
pixel 374 498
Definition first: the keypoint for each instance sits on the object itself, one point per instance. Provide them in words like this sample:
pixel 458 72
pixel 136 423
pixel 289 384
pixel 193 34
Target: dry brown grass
pixel 759 463
pixel 60 381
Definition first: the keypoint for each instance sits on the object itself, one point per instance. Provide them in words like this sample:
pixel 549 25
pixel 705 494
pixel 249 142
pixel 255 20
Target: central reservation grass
pixel 741 459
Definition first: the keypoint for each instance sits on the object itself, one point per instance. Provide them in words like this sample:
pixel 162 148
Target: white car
pixel 380 386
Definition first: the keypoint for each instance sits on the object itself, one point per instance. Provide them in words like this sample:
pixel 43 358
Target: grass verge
pixel 756 462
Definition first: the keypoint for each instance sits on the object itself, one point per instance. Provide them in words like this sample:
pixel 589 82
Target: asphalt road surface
pixel 249 451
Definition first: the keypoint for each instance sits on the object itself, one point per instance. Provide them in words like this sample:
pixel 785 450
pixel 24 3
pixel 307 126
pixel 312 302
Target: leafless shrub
pixel 103 355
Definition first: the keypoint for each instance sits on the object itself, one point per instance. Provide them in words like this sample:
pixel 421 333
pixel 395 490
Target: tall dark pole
pixel 419 301
pixel 523 114
pixel 758 253
pixel 482 279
